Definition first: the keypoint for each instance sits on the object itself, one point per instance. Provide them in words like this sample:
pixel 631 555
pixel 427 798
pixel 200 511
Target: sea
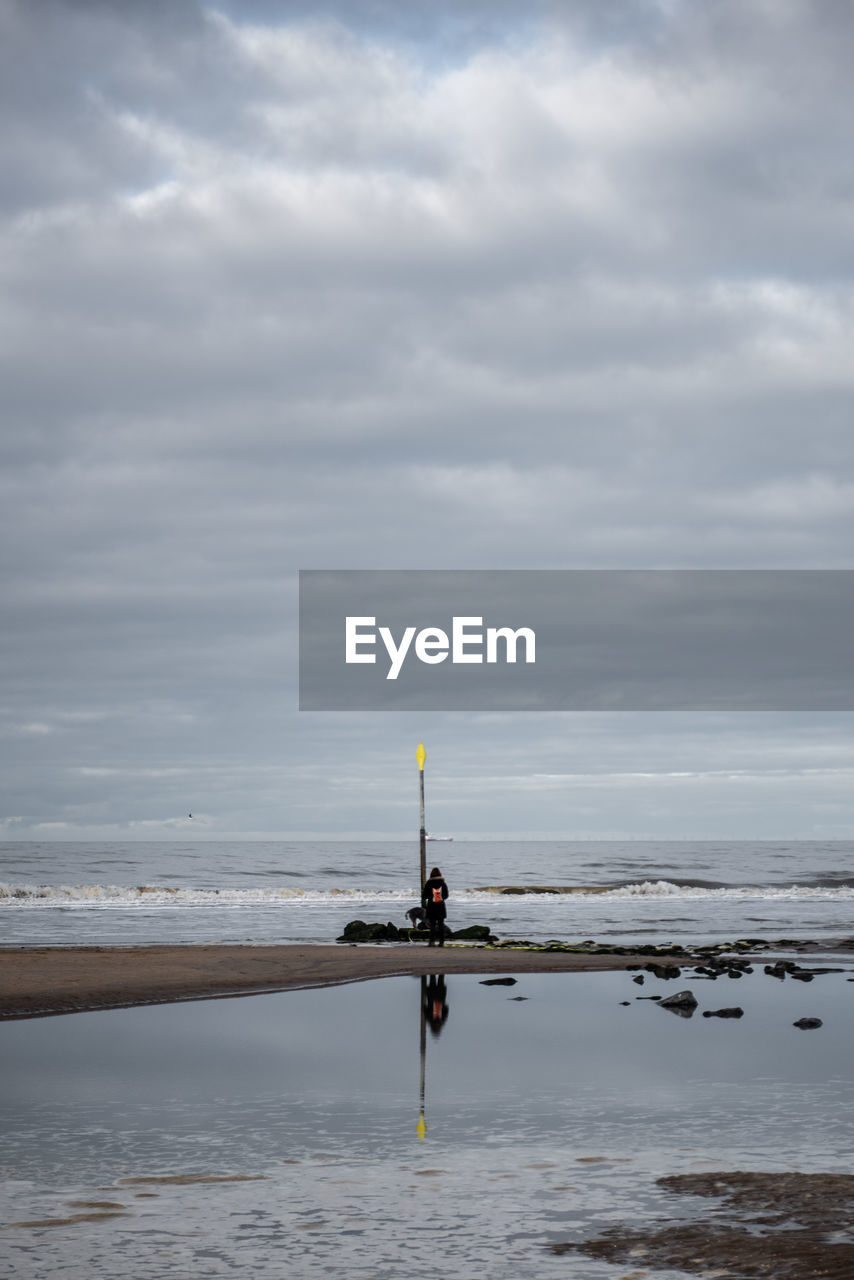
pixel 257 892
pixel 410 1126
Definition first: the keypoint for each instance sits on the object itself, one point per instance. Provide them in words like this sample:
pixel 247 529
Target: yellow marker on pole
pixel 421 756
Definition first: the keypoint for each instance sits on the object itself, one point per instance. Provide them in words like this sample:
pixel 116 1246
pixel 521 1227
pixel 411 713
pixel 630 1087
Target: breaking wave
pixel 145 895
pixel 93 895
pixel 667 889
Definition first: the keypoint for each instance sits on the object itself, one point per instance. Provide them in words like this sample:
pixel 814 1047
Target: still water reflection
pixel 434 1014
pixel 363 1129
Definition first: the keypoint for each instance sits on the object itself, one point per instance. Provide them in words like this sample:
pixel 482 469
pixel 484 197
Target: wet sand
pixel 36 981
pixel 763 1226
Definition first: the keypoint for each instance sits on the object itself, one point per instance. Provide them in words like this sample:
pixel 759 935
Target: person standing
pixel 433 897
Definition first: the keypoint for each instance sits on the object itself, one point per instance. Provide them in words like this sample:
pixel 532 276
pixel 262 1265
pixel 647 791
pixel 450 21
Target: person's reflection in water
pixel 435 1000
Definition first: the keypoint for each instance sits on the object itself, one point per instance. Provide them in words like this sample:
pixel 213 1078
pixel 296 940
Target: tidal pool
pixel 404 1127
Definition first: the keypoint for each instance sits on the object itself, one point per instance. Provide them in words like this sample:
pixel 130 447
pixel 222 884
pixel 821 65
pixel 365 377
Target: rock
pixel 498 982
pixel 684 1002
pixel 638 979
pixel 723 1013
pixel 718 967
pixel 359 931
pixel 664 971
pixel 681 999
pixel 807 1024
pixel 474 933
pixel 783 967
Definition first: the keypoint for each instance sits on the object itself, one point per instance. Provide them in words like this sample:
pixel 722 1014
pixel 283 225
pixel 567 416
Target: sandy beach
pixel 36 981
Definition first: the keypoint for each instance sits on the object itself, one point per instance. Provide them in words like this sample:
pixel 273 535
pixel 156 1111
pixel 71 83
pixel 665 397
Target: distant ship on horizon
pixel 441 839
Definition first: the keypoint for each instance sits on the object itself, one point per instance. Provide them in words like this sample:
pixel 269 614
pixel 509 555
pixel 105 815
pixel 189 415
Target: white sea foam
pixel 89 895
pixel 98 895
pixel 666 889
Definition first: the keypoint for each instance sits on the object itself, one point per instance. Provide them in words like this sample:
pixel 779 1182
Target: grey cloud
pixel 59 61
pixel 593 776
pixel 477 285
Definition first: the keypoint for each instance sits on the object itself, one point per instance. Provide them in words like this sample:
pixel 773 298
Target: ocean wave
pixel 667 889
pixel 90 895
pixel 145 895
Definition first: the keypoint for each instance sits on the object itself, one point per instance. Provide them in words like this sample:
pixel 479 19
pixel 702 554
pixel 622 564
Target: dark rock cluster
pixel 711 963
pixel 359 931
pixel 784 968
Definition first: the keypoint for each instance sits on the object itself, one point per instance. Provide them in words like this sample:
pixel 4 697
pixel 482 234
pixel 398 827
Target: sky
pixel 374 285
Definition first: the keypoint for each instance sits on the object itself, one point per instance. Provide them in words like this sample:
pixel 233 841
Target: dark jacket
pixel 433 896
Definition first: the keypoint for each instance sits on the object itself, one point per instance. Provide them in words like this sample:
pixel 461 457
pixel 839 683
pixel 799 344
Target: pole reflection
pixel 434 1013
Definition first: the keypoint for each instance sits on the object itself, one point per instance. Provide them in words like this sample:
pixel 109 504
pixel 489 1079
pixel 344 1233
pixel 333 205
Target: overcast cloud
pixel 388 285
